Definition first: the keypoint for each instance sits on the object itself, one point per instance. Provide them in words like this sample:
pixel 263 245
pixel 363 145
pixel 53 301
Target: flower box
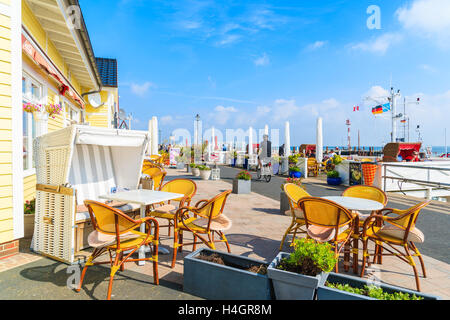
pixel 242 186
pixel 327 293
pixel 220 282
pixel 293 286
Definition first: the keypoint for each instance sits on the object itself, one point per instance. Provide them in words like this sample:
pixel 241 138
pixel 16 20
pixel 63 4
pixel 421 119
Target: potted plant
pixel 180 162
pixel 333 178
pixel 293 159
pixel 294 172
pixel 195 170
pixel 28 211
pixel 189 167
pixel 240 278
pixel 296 276
pixel 205 172
pixel 284 200
pixel 344 287
pixel 242 183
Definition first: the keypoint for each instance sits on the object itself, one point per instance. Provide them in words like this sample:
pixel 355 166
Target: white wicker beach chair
pixel 75 164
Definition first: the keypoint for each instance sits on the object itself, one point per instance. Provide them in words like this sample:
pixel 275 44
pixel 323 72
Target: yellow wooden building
pixel 46 62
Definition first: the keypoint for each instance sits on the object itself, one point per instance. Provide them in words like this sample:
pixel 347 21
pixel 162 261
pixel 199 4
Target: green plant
pixel 373 292
pixel 309 258
pixel 296 181
pixel 203 168
pixel 29 207
pixel 293 158
pixel 193 165
pixel 294 169
pixel 337 159
pixel 244 175
pixel 333 174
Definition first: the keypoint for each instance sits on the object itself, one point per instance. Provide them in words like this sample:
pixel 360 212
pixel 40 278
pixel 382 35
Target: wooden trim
pixel 55 189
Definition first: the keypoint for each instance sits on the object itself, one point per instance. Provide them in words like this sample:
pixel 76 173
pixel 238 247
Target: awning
pixel 28 48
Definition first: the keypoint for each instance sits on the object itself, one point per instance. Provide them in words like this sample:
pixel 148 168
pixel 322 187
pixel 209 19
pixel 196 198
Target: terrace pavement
pixel 256 232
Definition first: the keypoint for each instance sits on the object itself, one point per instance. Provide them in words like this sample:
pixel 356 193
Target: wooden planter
pixel 218 282
pixel 327 293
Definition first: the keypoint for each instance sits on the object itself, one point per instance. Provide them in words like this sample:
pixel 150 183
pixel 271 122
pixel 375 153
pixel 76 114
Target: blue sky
pixel 242 63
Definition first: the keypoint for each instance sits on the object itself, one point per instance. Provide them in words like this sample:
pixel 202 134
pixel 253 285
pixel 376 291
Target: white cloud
pixel 376 94
pixel 141 89
pixel 316 45
pixel 228 39
pixel 262 61
pixel 166 119
pixel 379 45
pixel 222 114
pixel 428 68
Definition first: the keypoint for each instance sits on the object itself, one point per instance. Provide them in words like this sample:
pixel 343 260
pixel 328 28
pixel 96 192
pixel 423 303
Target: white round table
pixel 356 204
pixel 352 203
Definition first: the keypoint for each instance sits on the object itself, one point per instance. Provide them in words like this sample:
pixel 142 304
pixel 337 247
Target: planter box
pixel 28 224
pixel 205 174
pixel 293 286
pixel 284 203
pixel 180 165
pixel 218 282
pixel 334 181
pixel 295 174
pixel 326 293
pixel 242 186
pixel 195 172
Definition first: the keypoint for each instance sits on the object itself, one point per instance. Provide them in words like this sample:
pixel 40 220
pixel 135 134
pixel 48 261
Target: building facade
pixel 49 79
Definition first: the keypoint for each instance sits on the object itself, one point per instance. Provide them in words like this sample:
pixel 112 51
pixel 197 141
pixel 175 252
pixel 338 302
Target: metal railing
pixel 427 183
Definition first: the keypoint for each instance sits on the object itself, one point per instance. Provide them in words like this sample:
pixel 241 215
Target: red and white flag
pixel 356 108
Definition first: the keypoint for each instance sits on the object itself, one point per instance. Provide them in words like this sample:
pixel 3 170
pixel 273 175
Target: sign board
pixel 355 173
pixel 173 154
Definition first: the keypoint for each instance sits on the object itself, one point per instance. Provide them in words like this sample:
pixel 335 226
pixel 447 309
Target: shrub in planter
pixel 344 287
pixel 296 276
pixel 29 210
pixel 293 159
pixel 294 172
pixel 205 172
pixel 195 170
pixel 237 277
pixel 333 178
pixel 242 183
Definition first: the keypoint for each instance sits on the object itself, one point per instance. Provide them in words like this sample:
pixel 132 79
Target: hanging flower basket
pixel 31 108
pixel 53 110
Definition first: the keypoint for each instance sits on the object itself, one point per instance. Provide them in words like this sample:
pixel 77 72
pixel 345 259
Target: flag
pixel 381 108
pixel 356 108
pixel 403 121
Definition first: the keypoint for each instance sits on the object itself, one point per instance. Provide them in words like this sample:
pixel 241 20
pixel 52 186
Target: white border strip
pixel 17 139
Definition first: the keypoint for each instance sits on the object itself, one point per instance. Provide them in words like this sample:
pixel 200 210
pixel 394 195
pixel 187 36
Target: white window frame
pixel 71 107
pixel 27 97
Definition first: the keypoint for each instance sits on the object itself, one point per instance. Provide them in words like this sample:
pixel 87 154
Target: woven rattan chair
pixel 327 221
pixel 313 167
pixel 167 210
pixel 115 232
pixel 294 194
pixel 208 219
pixel 395 231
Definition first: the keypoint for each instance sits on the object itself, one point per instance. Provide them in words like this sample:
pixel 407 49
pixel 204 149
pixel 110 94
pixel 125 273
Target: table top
pixel 356 203
pixel 142 196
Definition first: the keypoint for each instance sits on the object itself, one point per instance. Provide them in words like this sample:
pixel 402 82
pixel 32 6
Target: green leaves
pixel 333 174
pixel 310 258
pixel 373 292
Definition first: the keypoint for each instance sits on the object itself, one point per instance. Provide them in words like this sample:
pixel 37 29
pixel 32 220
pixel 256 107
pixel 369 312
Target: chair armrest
pixel 203 200
pixel 371 220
